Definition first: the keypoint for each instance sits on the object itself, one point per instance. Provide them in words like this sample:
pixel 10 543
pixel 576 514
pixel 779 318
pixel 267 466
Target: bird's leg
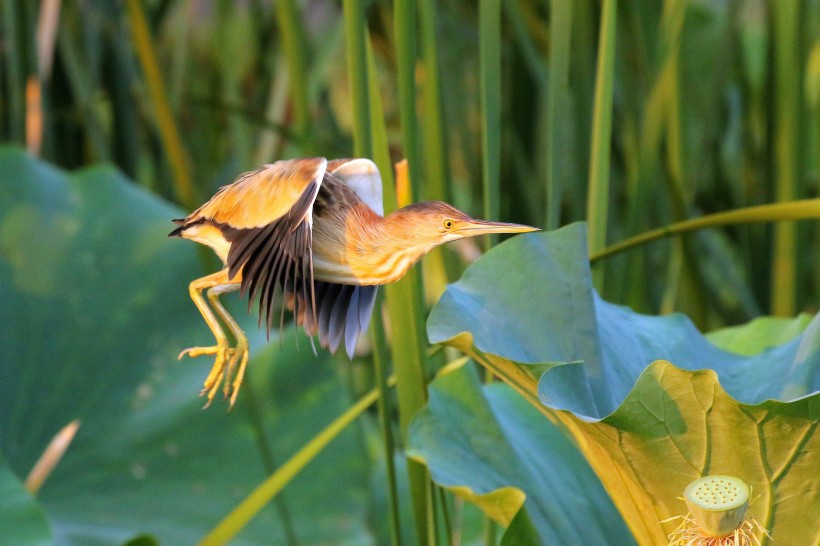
pixel 239 354
pixel 221 350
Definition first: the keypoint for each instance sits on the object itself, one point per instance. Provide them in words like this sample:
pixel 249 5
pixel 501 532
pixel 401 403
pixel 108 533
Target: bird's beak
pixel 472 228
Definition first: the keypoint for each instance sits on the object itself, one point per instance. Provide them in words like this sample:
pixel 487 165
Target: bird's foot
pixel 223 370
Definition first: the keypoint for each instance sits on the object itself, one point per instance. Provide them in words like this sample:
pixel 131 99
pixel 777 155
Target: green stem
pixel 490 532
pixel 261 496
pixel 16 70
pixel 598 198
pixel 169 134
pixel 406 342
pixel 82 83
pixel 804 209
pixel 436 169
pixel 558 103
pixel 380 356
pixel 489 22
pixel 294 45
pixel 786 99
pixel 404 13
pixel 405 38
pixel 435 157
pixel 268 460
pixel 355 34
pixel 445 513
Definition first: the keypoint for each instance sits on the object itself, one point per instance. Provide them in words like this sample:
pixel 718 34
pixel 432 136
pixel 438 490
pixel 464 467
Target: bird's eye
pixel 448 224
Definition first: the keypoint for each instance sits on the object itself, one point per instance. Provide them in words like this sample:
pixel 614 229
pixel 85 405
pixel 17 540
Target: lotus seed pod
pixel 718 503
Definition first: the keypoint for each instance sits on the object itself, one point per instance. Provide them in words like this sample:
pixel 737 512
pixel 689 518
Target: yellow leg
pixel 240 352
pixel 226 356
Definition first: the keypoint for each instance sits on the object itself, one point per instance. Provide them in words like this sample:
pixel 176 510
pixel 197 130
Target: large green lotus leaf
pixel 488 445
pixel 22 520
pixel 94 308
pixel 646 427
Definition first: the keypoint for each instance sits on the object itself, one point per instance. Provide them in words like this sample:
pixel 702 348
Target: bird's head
pixel 433 223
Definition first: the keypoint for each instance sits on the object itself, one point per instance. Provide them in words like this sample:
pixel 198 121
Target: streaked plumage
pixel 313 231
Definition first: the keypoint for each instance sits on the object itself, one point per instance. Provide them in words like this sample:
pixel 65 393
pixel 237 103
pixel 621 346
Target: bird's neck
pixel 387 249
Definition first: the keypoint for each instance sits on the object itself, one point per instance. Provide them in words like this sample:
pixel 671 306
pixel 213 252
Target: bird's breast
pixel 360 264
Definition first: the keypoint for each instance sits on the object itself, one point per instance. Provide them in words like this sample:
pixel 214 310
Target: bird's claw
pixel 224 368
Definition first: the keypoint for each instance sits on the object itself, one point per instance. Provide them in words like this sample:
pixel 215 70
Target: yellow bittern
pixel 313 230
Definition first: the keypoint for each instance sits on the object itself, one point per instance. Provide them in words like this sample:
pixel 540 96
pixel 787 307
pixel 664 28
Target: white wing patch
pixel 362 176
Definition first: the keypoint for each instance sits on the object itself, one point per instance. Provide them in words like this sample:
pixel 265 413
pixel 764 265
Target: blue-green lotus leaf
pixel 488 445
pixel 650 401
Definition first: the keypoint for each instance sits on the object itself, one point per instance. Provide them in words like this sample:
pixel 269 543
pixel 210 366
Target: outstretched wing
pixel 258 198
pixel 266 216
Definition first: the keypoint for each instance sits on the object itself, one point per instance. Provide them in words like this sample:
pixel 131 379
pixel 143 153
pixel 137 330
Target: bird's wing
pixel 267 217
pixel 362 176
pixel 258 198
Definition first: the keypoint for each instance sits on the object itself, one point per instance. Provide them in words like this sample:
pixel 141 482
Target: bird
pixel 311 234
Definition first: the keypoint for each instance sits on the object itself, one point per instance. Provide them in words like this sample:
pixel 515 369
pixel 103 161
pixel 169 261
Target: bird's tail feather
pixel 343 312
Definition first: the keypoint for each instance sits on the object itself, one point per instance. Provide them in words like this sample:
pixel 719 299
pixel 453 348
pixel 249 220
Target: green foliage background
pixel 629 115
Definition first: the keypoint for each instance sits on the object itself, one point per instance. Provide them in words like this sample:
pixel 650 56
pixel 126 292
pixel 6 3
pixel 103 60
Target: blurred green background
pixel 714 107
pixel 630 115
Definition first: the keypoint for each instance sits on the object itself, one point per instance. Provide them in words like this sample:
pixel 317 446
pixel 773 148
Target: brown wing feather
pixel 334 195
pixel 334 164
pixel 258 198
pixel 279 254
